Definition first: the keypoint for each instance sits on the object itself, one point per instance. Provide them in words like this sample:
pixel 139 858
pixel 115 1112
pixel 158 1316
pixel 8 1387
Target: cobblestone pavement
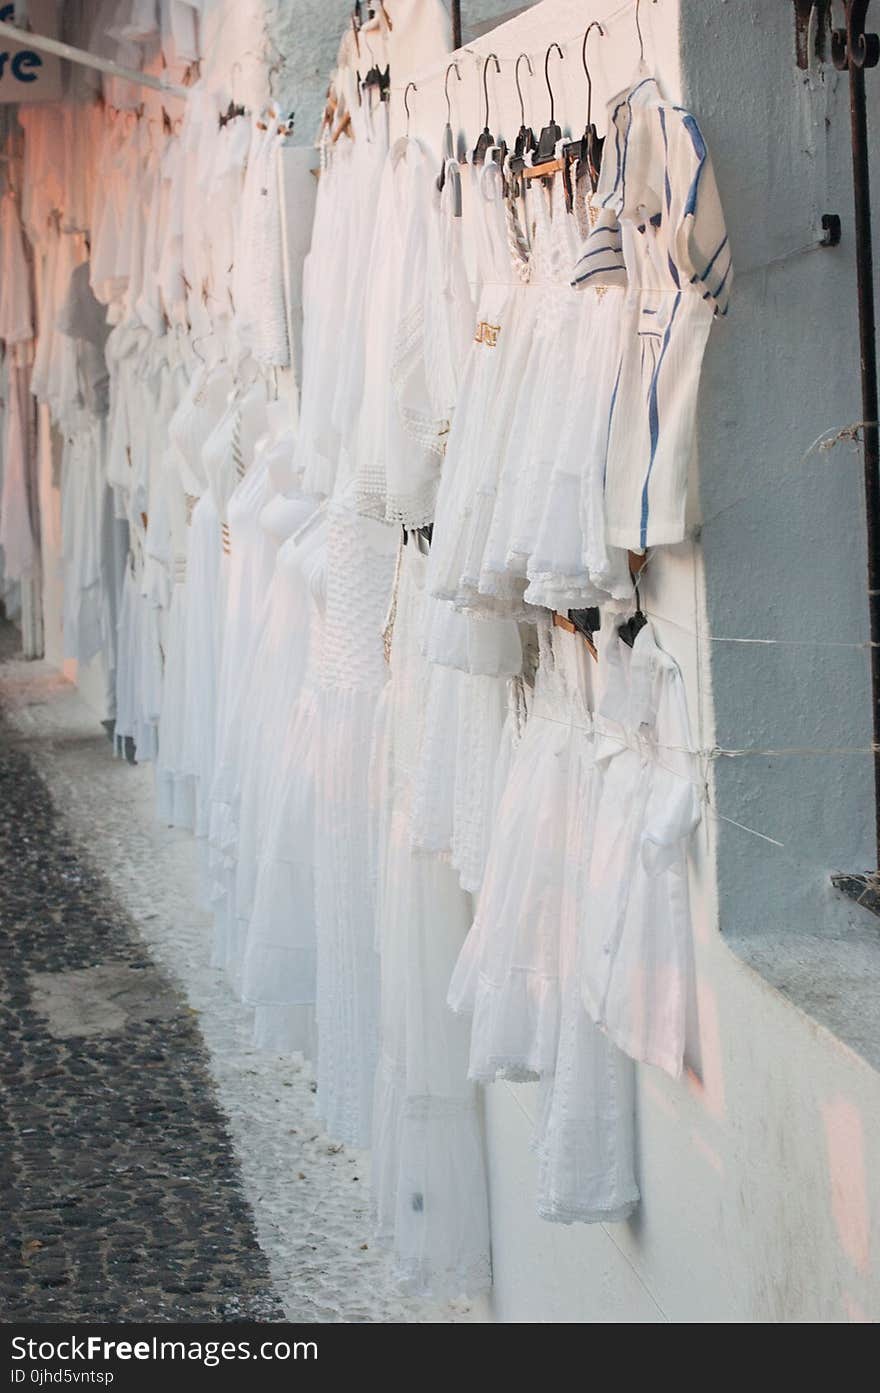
pixel 153 1164
pixel 122 1198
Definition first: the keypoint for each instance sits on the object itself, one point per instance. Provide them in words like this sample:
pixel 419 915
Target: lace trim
pixel 413 510
pixel 557 1213
pixel 428 431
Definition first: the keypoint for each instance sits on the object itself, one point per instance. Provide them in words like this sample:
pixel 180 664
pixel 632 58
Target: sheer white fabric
pixel 428 1168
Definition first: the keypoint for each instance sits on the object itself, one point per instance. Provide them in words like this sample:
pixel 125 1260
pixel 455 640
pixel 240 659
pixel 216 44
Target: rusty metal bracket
pixel 851 47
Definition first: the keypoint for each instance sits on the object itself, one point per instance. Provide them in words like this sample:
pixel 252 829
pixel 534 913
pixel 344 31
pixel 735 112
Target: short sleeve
pixel 673 809
pixel 701 243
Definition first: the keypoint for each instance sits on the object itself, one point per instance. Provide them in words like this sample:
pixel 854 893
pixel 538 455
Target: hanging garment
pixel 660 234
pixel 19 515
pixel 360 564
pixel 260 305
pixel 492 379
pixel 540 405
pixel 428 1168
pixel 175 788
pixel 16 313
pixel 83 318
pixel 636 957
pixel 281 685
pixel 280 960
pixel 400 440
pixel 519 969
pixel 508 973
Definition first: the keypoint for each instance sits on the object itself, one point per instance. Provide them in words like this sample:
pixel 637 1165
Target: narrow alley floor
pixel 153 1164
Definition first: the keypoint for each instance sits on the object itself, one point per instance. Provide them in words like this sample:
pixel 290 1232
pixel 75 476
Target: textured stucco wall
pixel 784 529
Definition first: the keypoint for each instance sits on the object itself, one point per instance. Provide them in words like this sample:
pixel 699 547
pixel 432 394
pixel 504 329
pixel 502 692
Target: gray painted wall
pixel 784 531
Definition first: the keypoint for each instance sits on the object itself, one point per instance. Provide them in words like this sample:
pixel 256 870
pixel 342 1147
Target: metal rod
pixel 456 24
pixel 868 356
pixel 88 60
pixel 855 50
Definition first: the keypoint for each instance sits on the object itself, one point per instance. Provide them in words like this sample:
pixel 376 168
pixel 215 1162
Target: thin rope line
pixel 761 642
pixel 710 752
pixel 702 788
pixel 826 441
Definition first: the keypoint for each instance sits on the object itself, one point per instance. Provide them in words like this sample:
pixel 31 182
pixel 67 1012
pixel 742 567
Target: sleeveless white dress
pixel 519 969
pixel 428 1170
pixel 274 682
pixel 280 960
pixel 352 671
pixel 249 563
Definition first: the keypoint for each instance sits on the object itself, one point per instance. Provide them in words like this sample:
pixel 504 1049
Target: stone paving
pixel 153 1163
pixel 121 1196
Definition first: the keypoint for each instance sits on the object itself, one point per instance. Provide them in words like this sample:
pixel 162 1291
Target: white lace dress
pixel 273 690
pixel 400 439
pixel 519 969
pixel 280 960
pixel 636 944
pixel 201 409
pixel 249 562
pixel 428 1166
pixel 361 556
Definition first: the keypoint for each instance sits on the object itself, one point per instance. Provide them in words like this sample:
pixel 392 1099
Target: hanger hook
pixel 406 92
pixel 522 105
pixel 595 25
pixel 639 32
pixel 547 75
pixel 486 82
pixel 452 65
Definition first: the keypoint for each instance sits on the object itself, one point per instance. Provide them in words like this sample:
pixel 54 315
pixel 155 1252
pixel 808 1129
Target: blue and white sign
pixel 25 74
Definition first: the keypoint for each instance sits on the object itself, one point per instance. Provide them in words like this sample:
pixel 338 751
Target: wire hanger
pixel 448 146
pixel 525 141
pixel 551 132
pixel 410 86
pixel 587 150
pixel 234 108
pixel 376 77
pixel 448 142
pixel 631 627
pixel 640 35
pixel 486 139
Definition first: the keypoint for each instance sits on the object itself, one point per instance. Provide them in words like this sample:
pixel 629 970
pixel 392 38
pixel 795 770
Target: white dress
pixel 661 234
pixel 352 671
pixel 637 952
pixel 200 410
pixel 541 402
pixel 428 1167
pixel 249 564
pixel 280 960
pixel 278 669
pixel 491 381
pixel 519 969
pixel 175 787
pixel 400 439
pixel 508 972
